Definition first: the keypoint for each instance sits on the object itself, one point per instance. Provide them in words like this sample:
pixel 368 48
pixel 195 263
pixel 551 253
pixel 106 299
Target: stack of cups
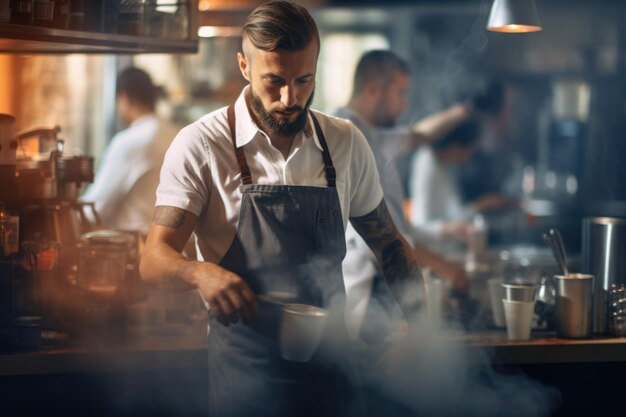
pixel 519 309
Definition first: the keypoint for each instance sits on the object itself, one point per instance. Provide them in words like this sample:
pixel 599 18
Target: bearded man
pixel 267 186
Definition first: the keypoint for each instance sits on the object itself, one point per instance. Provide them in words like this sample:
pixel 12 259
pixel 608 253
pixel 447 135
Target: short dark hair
pixel 377 65
pixel 465 134
pixel 280 25
pixel 138 86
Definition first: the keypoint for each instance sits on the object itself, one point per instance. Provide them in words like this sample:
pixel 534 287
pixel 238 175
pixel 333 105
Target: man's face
pixel 392 100
pixel 281 86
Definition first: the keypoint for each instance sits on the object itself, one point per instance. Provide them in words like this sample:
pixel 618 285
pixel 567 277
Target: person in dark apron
pixel 289 239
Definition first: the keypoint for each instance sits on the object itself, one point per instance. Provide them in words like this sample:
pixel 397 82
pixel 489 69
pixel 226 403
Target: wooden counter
pixel 180 349
pixel 546 348
pixel 171 348
pixel 165 374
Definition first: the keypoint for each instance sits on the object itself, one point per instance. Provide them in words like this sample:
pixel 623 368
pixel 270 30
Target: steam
pixel 432 373
pixel 448 70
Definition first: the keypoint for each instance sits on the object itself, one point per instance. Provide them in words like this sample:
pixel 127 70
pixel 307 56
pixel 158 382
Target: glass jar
pixel 44 13
pixel 102 262
pixel 61 18
pixel 130 17
pixel 22 12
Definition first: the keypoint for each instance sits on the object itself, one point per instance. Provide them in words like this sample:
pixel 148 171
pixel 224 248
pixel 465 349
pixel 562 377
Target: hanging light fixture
pixel 513 16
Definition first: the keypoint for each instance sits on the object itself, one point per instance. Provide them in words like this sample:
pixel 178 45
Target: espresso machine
pixel 41 186
pixel 48 186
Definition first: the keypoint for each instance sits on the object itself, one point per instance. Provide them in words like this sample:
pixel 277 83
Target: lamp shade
pixel 513 16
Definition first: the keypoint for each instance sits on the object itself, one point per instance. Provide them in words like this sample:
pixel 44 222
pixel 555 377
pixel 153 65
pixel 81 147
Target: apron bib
pixel 289 244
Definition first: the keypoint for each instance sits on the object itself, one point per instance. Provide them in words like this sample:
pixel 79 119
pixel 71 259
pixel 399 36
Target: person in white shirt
pixel 436 205
pixel 381 85
pixel 128 174
pixel 267 186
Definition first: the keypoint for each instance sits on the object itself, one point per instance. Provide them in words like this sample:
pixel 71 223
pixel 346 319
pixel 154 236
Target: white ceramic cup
pixel 301 331
pixel 519 318
pixel 496 294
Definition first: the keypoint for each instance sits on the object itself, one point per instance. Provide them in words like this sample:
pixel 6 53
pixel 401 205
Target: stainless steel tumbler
pixel 603 249
pixel 574 303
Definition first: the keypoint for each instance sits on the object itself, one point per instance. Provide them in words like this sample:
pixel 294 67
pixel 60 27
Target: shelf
pixel 30 39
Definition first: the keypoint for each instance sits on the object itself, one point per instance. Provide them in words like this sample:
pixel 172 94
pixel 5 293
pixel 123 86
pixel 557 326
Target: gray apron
pixel 289 243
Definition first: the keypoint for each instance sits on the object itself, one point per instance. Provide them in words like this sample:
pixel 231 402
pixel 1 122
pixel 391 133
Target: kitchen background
pixel 562 149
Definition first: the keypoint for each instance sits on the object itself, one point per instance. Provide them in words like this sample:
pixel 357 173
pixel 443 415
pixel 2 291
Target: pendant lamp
pixel 513 16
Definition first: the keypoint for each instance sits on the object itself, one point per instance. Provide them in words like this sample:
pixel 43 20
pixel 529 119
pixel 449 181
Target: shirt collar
pixel 247 129
pixel 142 119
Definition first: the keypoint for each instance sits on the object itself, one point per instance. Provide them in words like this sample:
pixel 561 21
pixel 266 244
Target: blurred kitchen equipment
pixel 560 246
pixel 526 263
pixel 8 144
pixel 545 308
pixel 72 172
pixel 558 255
pixel 573 305
pixel 102 281
pixel 40 260
pixel 8 148
pixel 616 320
pixel 9 233
pixel 603 249
pixel 48 184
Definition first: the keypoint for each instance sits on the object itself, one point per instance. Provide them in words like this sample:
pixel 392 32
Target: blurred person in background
pixel 436 204
pixel 381 85
pixel 126 180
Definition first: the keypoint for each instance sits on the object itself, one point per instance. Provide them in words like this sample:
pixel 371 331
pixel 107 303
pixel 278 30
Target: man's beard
pixel 283 128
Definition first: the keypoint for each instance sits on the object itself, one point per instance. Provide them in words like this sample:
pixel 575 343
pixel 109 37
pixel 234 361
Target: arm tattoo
pixel 400 269
pixel 171 217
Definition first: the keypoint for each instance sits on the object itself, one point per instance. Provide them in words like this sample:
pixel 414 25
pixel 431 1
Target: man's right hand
pixel 228 295
pixel 162 263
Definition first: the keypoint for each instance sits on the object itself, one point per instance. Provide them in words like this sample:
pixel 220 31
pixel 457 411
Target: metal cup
pixel 573 305
pixel 301 331
pixel 519 292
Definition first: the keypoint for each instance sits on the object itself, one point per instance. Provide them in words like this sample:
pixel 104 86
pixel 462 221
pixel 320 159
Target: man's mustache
pixel 293 109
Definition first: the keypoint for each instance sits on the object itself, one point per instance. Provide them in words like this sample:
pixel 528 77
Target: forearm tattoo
pixel 171 217
pixel 400 269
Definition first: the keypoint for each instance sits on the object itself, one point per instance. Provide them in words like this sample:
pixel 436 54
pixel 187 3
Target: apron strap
pixel 331 174
pixel 246 176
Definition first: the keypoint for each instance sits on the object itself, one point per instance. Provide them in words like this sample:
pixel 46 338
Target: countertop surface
pixel 168 347
pixel 185 348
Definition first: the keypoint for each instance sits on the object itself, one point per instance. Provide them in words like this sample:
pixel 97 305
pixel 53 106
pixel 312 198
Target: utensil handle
pixel 551 242
pixel 561 247
pixel 269 299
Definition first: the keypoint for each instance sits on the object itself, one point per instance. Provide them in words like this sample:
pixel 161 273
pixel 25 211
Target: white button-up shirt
pixel 435 198
pixel 128 175
pixel 200 173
